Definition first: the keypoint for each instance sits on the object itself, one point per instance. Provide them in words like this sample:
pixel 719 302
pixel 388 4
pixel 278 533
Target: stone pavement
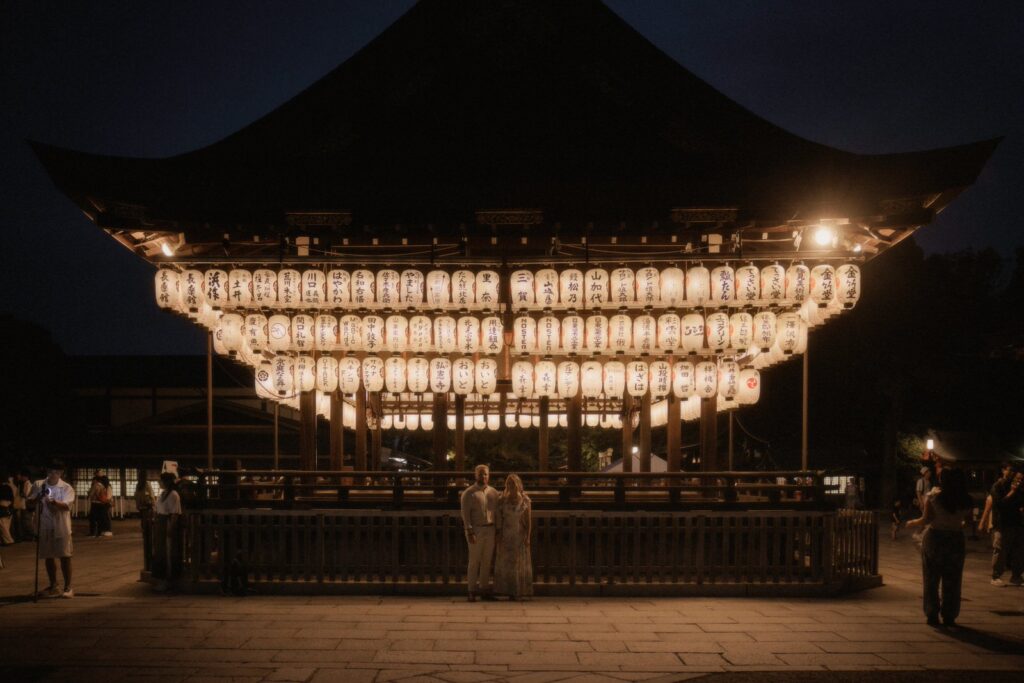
pixel 117 629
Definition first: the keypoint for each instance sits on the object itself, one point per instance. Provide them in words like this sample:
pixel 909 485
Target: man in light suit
pixel 479 503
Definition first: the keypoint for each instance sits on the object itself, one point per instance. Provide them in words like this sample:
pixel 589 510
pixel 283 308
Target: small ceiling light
pixel 857 248
pixel 636 449
pixel 166 248
pixel 931 444
pixel 823 236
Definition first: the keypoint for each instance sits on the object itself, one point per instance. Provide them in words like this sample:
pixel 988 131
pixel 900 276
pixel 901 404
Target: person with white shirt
pixel 167 533
pixel 479 503
pixel 54 498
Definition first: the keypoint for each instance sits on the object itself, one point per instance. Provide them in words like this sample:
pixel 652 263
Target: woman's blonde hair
pixel 517 484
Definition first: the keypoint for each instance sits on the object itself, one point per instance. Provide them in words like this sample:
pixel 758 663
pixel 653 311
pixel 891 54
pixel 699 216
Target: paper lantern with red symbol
pixel 749 386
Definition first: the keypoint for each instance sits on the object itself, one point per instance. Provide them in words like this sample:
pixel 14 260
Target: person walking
pixel 947 509
pixel 53 498
pixel 144 502
pixel 921 489
pixel 478 503
pixel 7 493
pixel 167 536
pixel 1007 527
pixel 513 566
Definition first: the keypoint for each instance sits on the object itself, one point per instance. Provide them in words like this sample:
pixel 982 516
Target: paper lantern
pixel 166 286
pixel 620 333
pixel 524 335
pixel 723 286
pixel 217 337
pixel 338 289
pixel 690 408
pixel 440 375
pixel 208 316
pixel 522 289
pixel 698 286
pixel 591 379
pixel 798 284
pixel 522 379
pixel 801 337
pixel 570 288
pixel 661 378
pixel 326 374
pixel 230 325
pixel 749 386
pixel 264 288
pixel 592 419
pixel 548 334
pixel 823 284
pixel 314 288
pixel 420 327
pixel 439 289
pixel 848 285
pixel 605 421
pixel 672 287
pixel 468 334
pixel 716 330
pixel 190 287
pixel 645 330
pixel 396 333
pixel 597 293
pixel 350 333
pixel 748 285
pixel 486 378
pixel 648 286
pixel 418 375
pixel 450 421
pixel 326 332
pixel 787 334
pixel 289 289
pixel 568 379
pixel 264 376
pixel 623 287
pixel 279 330
pixel 305 373
pixel 525 421
pixel 349 374
pixel 462 376
pixel 411 288
pixel 705 379
pixel 493 422
pixel 463 288
pixel 479 422
pixel 596 333
pixel 545 287
pixel 668 331
pixel 692 337
pixel 492 335
pixel 397 421
pixel 372 333
pixel 394 374
pixel 510 420
pixel 773 285
pixel 427 422
pixel 637 378
pixel 765 325
pixel 445 339
pixel 373 373
pixel 562 419
pixel 215 288
pixel 728 380
pixel 683 379
pixel 283 371
pixel 363 287
pixel 545 378
pixel 487 289
pixel 741 328
pixel 614 379
pixel 389 285
pixel 303 332
pixel 256 332
pixel 239 288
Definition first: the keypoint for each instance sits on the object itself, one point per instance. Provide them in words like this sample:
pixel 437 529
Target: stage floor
pixel 117 629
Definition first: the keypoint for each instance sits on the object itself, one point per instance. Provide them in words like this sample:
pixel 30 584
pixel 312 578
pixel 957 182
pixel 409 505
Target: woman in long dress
pixel 513 567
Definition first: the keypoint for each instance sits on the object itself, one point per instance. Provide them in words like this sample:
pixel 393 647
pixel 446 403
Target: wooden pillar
pixel 709 434
pixel 460 433
pixel 730 466
pixel 209 400
pixel 574 445
pixel 803 415
pixel 673 434
pixel 360 461
pixel 542 435
pixel 645 432
pixel 307 430
pixel 440 432
pixel 337 432
pixel 376 434
pixel 277 435
pixel 627 432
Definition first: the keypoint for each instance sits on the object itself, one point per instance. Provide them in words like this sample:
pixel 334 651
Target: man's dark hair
pixel 55 465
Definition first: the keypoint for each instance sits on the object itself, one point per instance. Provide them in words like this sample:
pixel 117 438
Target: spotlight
pixel 930 444
pixel 823 236
pixel 166 248
pixel 857 248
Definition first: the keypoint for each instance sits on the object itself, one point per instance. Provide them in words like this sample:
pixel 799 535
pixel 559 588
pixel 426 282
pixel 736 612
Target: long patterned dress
pixel 513 567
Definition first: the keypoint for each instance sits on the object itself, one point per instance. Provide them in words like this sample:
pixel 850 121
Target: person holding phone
pixel 1008 527
pixel 54 497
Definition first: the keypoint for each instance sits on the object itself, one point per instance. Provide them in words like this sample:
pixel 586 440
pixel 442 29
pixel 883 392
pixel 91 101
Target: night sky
pixel 156 79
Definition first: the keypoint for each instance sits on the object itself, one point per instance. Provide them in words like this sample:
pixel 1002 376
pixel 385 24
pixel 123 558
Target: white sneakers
pixel 68 593
pixel 998 583
pixel 108 534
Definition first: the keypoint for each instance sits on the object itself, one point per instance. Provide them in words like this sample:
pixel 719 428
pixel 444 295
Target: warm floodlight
pixel 823 236
pixel 931 444
pixel 166 248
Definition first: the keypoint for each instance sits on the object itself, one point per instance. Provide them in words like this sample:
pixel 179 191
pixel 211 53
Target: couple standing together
pixel 498 534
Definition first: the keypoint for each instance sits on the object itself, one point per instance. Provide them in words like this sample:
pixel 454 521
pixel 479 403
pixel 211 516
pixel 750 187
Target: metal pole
pixel 209 400
pixel 803 425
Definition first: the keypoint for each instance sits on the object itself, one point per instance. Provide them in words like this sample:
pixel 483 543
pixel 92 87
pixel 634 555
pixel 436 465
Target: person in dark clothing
pixel 1007 527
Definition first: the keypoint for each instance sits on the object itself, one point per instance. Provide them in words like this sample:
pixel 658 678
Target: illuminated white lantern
pixel 661 379
pixel 592 419
pixel 326 374
pixel 450 421
pixel 723 286
pixel 256 331
pixel 705 379
pixel 605 421
pixel 394 374
pixel 522 379
pixel 672 287
pixel 623 287
pixel 823 284
pixel 208 316
pixel 572 333
pixel 563 419
pixel 239 288
pixel 396 333
pixel 716 329
pixel 444 334
pixel 264 375
pixel 614 379
pixel 305 373
pixel 773 285
pixel 524 335
pixel 748 285
pixel 596 333
pixel 637 378
pixel 412 422
pixel 684 379
pixel 479 422
pixel 279 330
pixel 289 289
pixel 283 371
pixel 591 379
pixel 692 333
pixel 349 374
pixel 568 379
pixel 749 386
pixel 338 288
pixel 190 287
pixel 848 285
pixel 373 333
pixel 728 380
pixel 510 420
pixel 801 337
pixel 420 328
pixel 690 408
pixel 787 335
pixel 264 288
pixel 427 422
pixel 620 333
pixel 798 284
pixel 741 327
pixel 645 330
pixel 166 286
pixel 545 378
pixel 314 288
pixel 570 288
pixel 648 286
pixel 364 286
pixel 373 373
pixel 486 375
pixel 411 291
pixel 215 288
pixel 493 422
pixel 397 421
pixel 487 289
pixel 217 337
pixel 230 326
pixel 668 331
pixel 597 288
pixel 350 333
pixel 389 286
pixel 698 286
pixel 462 376
pixel 525 421
pixel 463 288
pixel 326 336
pixel 440 375
pixel 522 291
pixel 492 333
pixel 548 334
pixel 545 286
pixel 439 289
pixel 468 334
pixel 765 325
pixel 418 374
pixel 303 333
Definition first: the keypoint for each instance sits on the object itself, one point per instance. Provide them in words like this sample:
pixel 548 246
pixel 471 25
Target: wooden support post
pixel 542 435
pixel 360 461
pixel 307 430
pixel 731 467
pixel 376 435
pixel 440 433
pixel 803 415
pixel 209 400
pixel 673 435
pixel 277 435
pixel 709 434
pixel 574 445
pixel 627 432
pixel 460 433
pixel 645 432
pixel 337 432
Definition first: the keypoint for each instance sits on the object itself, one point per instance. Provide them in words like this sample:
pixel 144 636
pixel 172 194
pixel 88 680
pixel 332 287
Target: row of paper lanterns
pixel 290 289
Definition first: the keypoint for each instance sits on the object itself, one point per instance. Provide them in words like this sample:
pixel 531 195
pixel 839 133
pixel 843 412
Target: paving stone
pixel 291 674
